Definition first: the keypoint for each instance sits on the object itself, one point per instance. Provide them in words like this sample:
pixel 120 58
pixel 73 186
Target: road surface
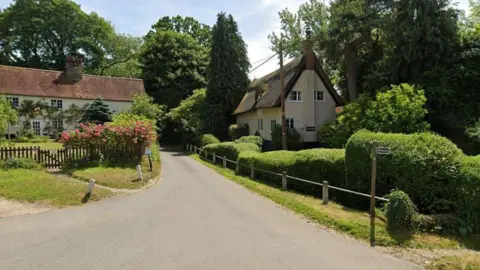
pixel 193 219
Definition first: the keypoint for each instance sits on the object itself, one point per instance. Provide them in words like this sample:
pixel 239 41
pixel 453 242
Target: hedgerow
pixel 251 139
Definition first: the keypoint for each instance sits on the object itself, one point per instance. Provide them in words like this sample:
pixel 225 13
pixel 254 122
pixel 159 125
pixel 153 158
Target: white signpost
pixel 148 152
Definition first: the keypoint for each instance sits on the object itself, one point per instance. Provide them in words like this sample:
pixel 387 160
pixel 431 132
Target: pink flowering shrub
pixel 129 138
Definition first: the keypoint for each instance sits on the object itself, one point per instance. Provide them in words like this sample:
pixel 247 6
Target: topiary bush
pixel 20 163
pixel 237 131
pixel 251 139
pixel 206 139
pixel 230 150
pixel 469 193
pixel 400 211
pixel 294 138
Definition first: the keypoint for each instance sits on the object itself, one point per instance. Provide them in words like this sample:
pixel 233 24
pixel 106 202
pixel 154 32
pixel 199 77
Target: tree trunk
pixel 351 73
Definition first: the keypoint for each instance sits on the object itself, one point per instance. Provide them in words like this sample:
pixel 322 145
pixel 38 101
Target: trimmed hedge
pixel 237 131
pixel 400 211
pixel 230 150
pixel 251 139
pixel 469 192
pixel 206 139
pixel 423 165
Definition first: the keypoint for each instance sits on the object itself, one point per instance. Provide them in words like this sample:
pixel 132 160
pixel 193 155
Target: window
pixel 273 124
pixel 36 127
pixel 14 101
pixel 319 96
pixel 296 96
pixel 57 103
pixel 260 124
pixel 290 122
pixel 57 123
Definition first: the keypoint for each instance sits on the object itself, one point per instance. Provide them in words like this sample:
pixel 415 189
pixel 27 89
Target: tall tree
pixel 185 25
pixel 227 75
pixel 40 33
pixel 121 57
pixel 173 65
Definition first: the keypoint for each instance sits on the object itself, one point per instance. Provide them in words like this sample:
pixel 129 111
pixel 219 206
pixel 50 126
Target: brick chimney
pixel 74 68
pixel 308 50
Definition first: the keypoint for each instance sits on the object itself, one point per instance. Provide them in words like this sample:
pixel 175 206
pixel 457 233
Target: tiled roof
pixel 48 83
pixel 270 97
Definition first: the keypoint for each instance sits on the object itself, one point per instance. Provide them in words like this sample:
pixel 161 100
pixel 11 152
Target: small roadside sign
pixel 148 152
pixel 383 151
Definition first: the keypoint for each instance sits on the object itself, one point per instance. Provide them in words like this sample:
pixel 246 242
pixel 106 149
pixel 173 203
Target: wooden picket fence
pixel 50 158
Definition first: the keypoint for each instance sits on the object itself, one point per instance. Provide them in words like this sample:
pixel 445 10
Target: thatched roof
pixel 266 91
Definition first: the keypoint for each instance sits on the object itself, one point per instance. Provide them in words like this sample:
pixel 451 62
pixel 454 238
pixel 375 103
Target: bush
pixel 423 165
pixel 469 193
pixel 400 211
pixel 40 139
pixel 251 139
pixel 205 139
pixel 294 138
pixel 20 163
pixel 237 131
pixel 230 150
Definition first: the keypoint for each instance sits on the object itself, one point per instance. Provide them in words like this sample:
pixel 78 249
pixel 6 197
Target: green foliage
pixel 206 139
pixel 251 139
pixel 20 163
pixel 189 114
pixel 398 110
pixel 74 114
pixel 8 115
pixel 173 65
pixel 122 56
pixel 185 25
pixel 236 131
pixel 231 150
pixel 143 105
pixel 33 139
pixel 400 212
pixel 97 112
pixel 469 197
pixel 294 138
pixel 227 75
pixel 423 165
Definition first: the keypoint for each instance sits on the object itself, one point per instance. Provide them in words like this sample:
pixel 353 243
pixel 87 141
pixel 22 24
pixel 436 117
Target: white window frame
pixel 298 96
pixel 57 103
pixel 39 127
pixel 57 123
pixel 287 122
pixel 273 124
pixel 260 124
pixel 14 100
pixel 315 97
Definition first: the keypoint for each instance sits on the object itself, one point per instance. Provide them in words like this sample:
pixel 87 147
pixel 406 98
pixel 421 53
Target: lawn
pixel 115 177
pixel 38 186
pixel 44 145
pixel 351 222
pixel 465 262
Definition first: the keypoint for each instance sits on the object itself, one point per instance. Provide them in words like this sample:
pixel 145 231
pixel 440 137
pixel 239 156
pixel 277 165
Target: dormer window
pixel 57 103
pixel 296 96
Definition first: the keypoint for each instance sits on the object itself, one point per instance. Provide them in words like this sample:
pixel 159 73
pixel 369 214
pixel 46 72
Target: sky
pixel 256 18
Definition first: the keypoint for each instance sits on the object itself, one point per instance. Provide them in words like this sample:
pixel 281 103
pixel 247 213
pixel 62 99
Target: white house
pixel 311 100
pixel 62 89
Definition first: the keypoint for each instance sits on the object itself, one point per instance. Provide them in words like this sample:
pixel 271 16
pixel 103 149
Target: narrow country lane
pixel 193 219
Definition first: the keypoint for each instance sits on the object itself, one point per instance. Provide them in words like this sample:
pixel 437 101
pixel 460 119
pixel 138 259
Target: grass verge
pixel 45 145
pixel 351 222
pixel 465 262
pixel 38 186
pixel 115 177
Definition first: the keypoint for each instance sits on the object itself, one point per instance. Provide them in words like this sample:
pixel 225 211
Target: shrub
pixel 423 165
pixel 251 139
pixel 294 138
pixel 230 150
pixel 20 163
pixel 237 131
pixel 400 211
pixel 206 139
pixel 469 192
pixel 40 139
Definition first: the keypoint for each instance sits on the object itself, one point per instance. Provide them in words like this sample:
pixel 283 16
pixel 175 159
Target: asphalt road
pixel 193 219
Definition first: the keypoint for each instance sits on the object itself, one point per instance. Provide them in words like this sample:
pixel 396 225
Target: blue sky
pixel 256 18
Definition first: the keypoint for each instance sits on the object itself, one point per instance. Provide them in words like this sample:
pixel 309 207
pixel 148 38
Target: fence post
pixel 214 158
pixel 224 162
pixel 325 192
pixel 237 168
pixel 284 180
pixel 252 172
pixel 206 155
pixel 139 171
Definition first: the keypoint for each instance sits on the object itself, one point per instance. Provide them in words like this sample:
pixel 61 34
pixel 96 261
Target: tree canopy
pixel 185 25
pixel 97 112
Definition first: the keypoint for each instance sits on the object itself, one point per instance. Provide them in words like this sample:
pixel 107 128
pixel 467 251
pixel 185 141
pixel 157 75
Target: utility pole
pixel 372 193
pixel 282 98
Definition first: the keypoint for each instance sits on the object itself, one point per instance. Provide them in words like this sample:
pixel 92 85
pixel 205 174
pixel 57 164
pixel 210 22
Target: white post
pixel 91 185
pixel 214 158
pixel 325 192
pixel 284 180
pixel 139 171
pixel 224 162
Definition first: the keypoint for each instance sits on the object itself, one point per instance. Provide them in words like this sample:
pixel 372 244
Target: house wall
pixel 308 112
pixel 266 114
pixel 114 106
